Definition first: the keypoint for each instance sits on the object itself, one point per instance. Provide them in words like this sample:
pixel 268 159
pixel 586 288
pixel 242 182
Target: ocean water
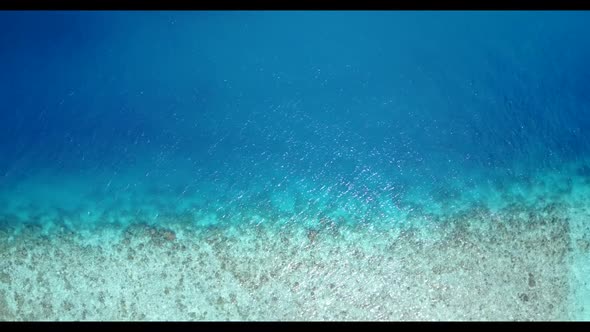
pixel 294 165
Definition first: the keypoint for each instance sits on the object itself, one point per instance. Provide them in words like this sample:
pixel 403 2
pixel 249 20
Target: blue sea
pixel 294 165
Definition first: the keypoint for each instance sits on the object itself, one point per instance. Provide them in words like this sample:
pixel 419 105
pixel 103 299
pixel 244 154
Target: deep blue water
pixel 357 105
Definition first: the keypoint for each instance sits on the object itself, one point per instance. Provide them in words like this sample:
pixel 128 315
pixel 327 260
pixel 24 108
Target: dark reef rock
pixel 312 235
pixel 583 245
pixel 531 280
pixel 168 235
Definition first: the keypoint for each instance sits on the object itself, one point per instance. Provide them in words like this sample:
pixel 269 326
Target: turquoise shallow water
pixel 500 236
pixel 392 165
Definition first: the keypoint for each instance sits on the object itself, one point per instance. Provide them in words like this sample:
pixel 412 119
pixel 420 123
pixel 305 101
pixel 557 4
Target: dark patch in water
pixel 532 282
pixel 312 234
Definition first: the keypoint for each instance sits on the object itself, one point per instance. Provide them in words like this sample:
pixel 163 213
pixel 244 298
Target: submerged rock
pixel 531 280
pixel 312 235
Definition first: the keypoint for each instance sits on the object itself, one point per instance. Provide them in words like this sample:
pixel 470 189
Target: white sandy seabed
pixel 517 262
pixel 527 268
